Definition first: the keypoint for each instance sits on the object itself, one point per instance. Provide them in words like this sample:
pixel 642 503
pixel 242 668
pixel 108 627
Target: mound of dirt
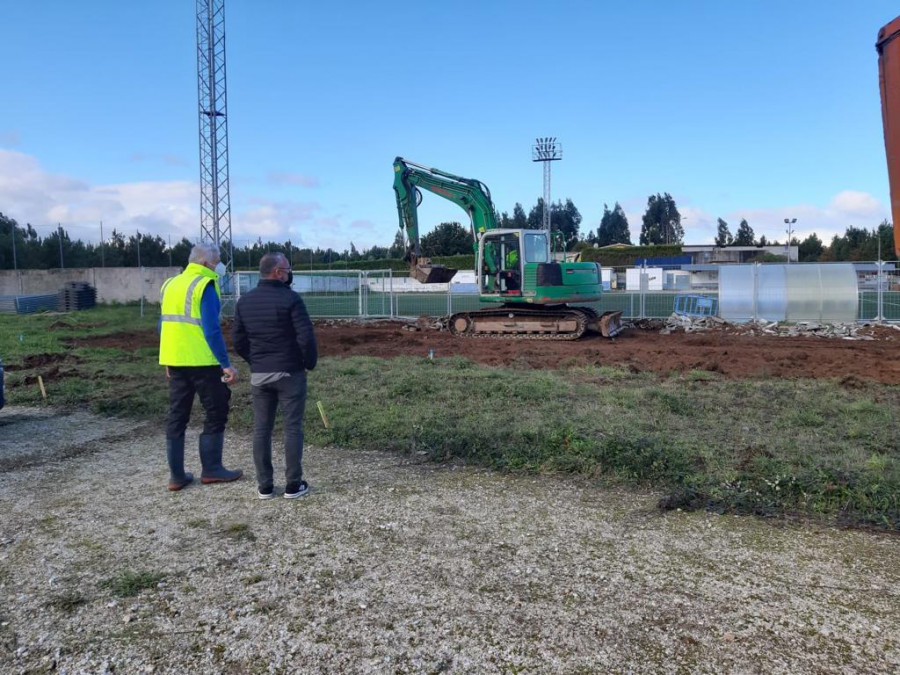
pixel 40 360
pixel 127 341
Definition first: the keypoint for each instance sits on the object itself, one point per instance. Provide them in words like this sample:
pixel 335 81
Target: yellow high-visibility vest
pixel 181 339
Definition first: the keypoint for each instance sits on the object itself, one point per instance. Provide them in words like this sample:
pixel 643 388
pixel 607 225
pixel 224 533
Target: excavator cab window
pixel 511 263
pixel 536 249
pixel 502 263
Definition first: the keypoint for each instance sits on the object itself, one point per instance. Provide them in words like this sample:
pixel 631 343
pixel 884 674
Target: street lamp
pixel 790 229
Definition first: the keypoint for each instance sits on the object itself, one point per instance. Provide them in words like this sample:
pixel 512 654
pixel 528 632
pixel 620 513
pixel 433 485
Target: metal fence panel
pixel 326 293
pixel 28 304
pixel 383 293
pixel 378 293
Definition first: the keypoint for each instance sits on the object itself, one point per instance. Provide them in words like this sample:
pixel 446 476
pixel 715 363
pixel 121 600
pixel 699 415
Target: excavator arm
pixel 888 46
pixel 471 195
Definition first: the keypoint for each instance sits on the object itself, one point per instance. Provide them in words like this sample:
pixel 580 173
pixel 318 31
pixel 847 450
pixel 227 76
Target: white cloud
pixel 30 194
pixel 857 204
pixel 277 221
pixel 848 207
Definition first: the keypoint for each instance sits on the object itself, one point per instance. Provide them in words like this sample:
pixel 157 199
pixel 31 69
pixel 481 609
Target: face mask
pixel 220 269
pixel 290 279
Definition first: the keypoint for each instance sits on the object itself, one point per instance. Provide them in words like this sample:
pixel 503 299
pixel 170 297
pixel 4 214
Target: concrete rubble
pixel 692 324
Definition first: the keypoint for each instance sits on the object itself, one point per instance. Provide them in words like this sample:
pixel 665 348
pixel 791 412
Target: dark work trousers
pixel 206 382
pixel 290 394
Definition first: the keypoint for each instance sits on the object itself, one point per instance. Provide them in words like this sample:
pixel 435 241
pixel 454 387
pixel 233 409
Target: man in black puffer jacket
pixel 273 333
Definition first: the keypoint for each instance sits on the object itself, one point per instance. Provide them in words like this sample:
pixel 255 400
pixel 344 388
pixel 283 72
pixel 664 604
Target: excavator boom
pixel 471 195
pixel 888 46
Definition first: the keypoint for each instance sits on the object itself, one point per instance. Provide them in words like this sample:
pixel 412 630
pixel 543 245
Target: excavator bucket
pixel 609 324
pixel 426 273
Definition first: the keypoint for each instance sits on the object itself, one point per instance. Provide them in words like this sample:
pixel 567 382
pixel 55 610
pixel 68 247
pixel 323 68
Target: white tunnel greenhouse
pixel 825 293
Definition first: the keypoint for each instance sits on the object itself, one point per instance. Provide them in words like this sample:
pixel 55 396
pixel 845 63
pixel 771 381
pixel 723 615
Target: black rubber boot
pixel 175 453
pixel 211 446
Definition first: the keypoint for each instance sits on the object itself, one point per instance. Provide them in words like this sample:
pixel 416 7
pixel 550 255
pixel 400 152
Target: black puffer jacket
pixel 272 330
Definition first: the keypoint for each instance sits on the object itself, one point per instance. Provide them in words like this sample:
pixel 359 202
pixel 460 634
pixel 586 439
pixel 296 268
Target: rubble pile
pixel 846 331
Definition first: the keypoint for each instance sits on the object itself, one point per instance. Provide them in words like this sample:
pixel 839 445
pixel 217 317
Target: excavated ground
pixel 734 351
pixel 729 350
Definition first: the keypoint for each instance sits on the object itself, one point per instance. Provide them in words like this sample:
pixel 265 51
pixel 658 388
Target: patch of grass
pixel 67 601
pixel 128 584
pixel 266 606
pixel 48 523
pixel 701 376
pixel 748 446
pixel 239 531
pixel 90 545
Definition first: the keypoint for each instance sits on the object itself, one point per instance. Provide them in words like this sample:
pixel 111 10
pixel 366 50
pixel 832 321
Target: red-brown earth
pixel 727 350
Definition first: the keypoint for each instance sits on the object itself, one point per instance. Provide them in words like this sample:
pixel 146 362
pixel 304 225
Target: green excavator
pixel 514 267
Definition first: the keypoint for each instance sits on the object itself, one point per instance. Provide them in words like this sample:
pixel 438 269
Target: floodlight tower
pixel 546 150
pixel 215 202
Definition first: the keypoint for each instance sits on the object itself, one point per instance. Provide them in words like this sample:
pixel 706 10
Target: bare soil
pixel 726 350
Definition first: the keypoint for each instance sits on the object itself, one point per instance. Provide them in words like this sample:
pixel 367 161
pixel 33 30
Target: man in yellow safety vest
pixel 192 349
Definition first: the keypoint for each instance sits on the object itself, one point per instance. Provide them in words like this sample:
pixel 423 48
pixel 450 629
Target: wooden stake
pixel 41 384
pixel 322 413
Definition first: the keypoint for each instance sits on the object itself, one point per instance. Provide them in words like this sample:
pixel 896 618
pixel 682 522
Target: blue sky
pixel 759 110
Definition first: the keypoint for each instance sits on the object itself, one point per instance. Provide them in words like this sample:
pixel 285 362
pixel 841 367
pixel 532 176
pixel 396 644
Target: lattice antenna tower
pixel 546 150
pixel 215 200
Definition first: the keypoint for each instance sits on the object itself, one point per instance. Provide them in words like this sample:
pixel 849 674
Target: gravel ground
pixel 391 565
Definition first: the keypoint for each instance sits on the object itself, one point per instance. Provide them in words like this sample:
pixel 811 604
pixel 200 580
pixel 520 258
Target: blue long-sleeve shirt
pixel 212 330
pixel 209 320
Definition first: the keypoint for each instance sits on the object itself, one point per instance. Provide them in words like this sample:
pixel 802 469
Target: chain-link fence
pixel 797 292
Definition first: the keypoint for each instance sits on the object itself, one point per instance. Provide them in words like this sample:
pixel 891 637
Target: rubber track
pixel 578 313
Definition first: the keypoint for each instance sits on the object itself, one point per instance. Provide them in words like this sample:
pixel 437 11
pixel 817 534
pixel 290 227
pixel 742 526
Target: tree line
pixel 22 247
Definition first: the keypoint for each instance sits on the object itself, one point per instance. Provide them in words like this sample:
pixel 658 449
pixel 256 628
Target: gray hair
pixel 205 253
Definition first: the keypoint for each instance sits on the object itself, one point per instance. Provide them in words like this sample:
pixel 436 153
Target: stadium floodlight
pixel 546 150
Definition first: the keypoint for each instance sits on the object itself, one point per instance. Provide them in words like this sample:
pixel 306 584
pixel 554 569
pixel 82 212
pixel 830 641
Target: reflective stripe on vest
pixel 182 342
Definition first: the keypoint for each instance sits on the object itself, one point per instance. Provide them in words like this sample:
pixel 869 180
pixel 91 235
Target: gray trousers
pixel 290 394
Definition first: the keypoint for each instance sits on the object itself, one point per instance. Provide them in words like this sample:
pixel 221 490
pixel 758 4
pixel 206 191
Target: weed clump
pixel 128 584
pixel 67 601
